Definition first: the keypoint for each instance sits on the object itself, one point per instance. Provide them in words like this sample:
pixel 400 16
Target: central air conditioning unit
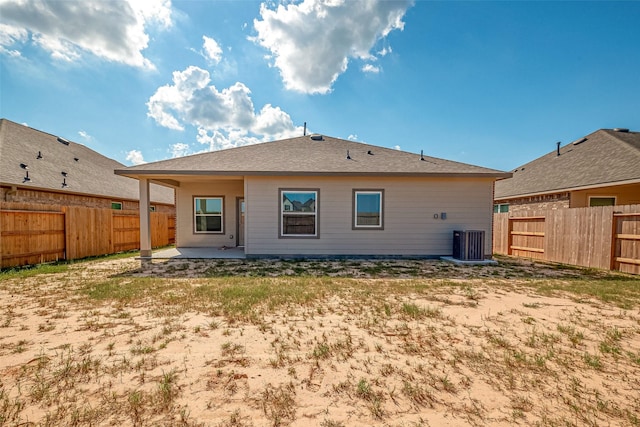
pixel 468 245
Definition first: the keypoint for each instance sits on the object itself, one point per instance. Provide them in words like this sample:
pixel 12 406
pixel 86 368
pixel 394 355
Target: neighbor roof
pixel 309 155
pixel 47 156
pixel 605 157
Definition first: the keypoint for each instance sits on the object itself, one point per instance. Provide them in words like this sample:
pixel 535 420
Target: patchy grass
pixel 330 343
pixel 56 267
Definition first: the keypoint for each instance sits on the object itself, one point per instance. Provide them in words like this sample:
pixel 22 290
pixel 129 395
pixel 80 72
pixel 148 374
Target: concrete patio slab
pixel 199 253
pixel 463 262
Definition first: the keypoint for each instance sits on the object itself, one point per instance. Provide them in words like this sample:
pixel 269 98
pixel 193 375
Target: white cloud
pixel 396 147
pixel 179 149
pixel 135 157
pixel 224 118
pixel 311 42
pixel 10 36
pixel 212 50
pixel 368 68
pixel 112 30
pixel 352 137
pixel 385 51
pixel 84 135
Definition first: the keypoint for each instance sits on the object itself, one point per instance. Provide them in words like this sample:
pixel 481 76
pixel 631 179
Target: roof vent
pixel 348 155
pixel 621 130
pixel 23 166
pixel 370 153
pixel 579 141
pixel 39 155
pixel 63 173
pixel 62 140
pixel 422 155
pixel 316 137
pixel 64 183
pixel 76 159
pixel 26 178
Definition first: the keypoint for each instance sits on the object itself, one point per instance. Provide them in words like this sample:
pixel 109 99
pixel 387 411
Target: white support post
pixel 145 219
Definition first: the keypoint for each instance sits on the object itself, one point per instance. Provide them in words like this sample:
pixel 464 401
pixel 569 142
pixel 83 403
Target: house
pixel 40 168
pixel 321 196
pixel 602 168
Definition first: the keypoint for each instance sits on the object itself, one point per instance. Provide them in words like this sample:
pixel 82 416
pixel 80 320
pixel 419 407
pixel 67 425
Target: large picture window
pixel 367 209
pixel 208 214
pixel 298 213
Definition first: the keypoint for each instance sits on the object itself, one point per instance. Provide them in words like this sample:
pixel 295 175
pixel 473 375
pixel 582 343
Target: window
pixel 501 208
pixel 152 208
pixel 298 213
pixel 602 201
pixel 208 214
pixel 367 209
pixel 116 205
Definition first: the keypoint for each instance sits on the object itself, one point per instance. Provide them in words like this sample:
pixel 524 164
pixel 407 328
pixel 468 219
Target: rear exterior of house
pixel 600 169
pixel 307 197
pixel 407 224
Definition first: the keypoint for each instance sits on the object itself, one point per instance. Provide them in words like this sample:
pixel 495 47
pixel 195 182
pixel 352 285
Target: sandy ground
pixel 465 352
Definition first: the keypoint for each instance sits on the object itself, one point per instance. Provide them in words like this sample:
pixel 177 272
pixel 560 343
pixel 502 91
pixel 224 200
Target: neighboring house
pixel 40 168
pixel 322 196
pixel 602 168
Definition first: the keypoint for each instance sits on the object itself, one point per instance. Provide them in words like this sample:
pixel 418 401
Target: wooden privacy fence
pixel 601 237
pixel 31 236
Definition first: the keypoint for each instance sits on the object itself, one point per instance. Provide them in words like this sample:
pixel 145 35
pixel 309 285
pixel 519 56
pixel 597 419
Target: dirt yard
pixel 311 343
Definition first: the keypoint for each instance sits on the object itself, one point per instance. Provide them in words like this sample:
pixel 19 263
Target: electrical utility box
pixel 468 245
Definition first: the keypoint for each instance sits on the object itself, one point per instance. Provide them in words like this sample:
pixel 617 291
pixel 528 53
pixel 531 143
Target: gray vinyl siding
pixel 229 189
pixel 409 207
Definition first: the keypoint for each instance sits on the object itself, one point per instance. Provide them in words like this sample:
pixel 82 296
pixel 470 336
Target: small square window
pixel 368 209
pixel 501 208
pixel 116 205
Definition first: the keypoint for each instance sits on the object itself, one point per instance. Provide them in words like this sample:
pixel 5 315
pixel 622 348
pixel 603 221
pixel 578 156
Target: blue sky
pixel 495 84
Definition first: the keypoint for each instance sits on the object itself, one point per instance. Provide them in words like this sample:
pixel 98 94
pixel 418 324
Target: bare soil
pixel 402 343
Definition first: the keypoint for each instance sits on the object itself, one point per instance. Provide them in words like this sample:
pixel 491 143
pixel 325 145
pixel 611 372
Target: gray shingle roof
pixel 604 157
pixel 306 156
pixel 92 174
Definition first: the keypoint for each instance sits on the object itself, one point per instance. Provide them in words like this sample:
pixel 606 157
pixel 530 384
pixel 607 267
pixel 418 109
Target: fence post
pixel 614 241
pixel 112 238
pixel 509 236
pixel 66 233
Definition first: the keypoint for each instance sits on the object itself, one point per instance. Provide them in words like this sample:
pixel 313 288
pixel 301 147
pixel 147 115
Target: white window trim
pixel 196 214
pixel 355 210
pixel 282 212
